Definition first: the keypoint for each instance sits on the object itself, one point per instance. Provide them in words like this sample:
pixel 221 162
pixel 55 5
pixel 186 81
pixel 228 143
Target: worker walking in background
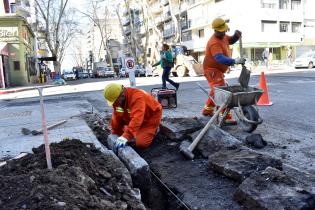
pixel 167 64
pixel 217 61
pixel 136 115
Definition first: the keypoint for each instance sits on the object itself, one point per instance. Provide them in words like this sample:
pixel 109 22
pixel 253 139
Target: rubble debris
pixel 273 189
pixel 179 128
pixel 215 140
pixel 240 163
pixel 82 178
pixel 255 141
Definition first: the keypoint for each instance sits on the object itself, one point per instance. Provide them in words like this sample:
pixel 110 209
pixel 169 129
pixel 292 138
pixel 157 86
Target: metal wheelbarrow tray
pixel 236 96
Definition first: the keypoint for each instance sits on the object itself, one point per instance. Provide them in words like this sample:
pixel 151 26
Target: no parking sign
pixel 130 65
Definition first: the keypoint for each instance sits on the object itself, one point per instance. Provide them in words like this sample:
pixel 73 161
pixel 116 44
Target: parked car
pixel 109 72
pixel 306 60
pixel 151 71
pixel 123 73
pixel 104 72
pixel 139 71
pixel 83 75
pixel 68 75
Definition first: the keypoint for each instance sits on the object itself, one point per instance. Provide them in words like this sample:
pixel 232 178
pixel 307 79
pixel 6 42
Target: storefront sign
pixel 9 34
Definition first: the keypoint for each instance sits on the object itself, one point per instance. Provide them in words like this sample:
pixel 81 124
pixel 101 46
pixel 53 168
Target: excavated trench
pixel 177 183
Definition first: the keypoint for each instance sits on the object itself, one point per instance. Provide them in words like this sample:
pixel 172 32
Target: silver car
pixel 306 60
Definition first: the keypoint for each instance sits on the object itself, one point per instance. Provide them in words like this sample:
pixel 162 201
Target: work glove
pixel 120 143
pixel 240 61
pixel 238 33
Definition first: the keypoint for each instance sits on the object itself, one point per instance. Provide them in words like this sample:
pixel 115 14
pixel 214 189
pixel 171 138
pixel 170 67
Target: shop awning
pixel 4 50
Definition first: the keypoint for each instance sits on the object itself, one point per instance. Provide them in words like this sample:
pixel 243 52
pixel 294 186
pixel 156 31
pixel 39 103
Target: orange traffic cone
pixel 264 99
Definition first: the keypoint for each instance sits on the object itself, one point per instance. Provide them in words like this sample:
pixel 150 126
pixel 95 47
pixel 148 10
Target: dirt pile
pixel 82 178
pixel 100 125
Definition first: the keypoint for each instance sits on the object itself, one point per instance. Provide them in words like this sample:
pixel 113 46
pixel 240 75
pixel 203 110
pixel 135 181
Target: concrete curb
pixel 23 89
pixel 137 166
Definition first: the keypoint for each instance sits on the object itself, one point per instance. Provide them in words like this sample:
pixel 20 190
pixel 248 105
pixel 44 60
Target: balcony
pixel 126 22
pixel 128 32
pixel 167 16
pixel 198 22
pixel 169 32
pixel 156 8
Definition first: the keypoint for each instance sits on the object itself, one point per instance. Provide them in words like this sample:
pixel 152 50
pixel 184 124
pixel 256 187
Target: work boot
pixel 229 119
pixel 208 111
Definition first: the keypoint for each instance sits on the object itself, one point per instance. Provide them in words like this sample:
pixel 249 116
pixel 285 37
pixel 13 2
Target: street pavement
pixel 288 125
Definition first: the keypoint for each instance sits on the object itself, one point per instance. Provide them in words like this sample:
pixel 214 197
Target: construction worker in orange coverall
pixel 136 115
pixel 217 61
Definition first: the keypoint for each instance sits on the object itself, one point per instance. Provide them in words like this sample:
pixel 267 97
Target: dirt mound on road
pixel 82 178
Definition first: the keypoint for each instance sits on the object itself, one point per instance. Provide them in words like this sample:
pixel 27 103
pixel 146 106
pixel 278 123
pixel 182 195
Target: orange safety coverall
pixel 138 119
pixel 214 71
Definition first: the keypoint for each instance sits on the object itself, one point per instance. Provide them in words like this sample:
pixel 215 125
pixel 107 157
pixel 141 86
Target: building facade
pixel 274 24
pixel 112 34
pixel 17 42
pixel 17 64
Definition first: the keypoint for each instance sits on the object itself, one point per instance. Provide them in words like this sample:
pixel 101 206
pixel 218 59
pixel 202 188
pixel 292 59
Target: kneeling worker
pixel 136 115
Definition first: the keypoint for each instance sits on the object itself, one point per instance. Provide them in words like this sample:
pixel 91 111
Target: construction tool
pixel 245 73
pixel 187 151
pixel 26 131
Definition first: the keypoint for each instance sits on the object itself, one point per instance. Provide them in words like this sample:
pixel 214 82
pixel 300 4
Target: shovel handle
pixel 205 129
pixel 53 125
pixel 241 47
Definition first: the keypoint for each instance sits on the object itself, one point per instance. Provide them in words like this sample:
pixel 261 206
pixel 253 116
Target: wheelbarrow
pixel 241 100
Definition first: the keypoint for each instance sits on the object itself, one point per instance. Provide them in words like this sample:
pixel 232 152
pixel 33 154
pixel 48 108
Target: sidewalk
pixel 273 68
pixel 24 88
pixel 14 118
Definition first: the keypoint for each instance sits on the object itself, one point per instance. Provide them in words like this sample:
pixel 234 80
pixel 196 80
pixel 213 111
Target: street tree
pixel 57 21
pixel 78 53
pixel 138 41
pixel 101 21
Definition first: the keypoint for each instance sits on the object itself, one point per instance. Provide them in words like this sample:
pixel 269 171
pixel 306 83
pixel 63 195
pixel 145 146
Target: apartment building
pixel 274 24
pixel 112 33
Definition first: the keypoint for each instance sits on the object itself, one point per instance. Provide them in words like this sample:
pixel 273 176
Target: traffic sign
pixel 130 65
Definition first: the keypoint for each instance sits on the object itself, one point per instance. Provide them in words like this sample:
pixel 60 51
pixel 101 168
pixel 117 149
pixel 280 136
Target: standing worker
pixel 217 61
pixel 136 115
pixel 167 64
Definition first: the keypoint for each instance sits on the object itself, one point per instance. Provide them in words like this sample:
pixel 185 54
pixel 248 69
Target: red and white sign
pixel 130 65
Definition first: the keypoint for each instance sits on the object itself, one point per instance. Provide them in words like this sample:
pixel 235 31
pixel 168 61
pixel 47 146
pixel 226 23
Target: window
pixel 268 4
pixel 186 36
pixel 295 4
pixel 201 33
pixel 283 4
pixel 269 26
pixel 16 65
pixel 184 22
pixel 284 26
pixel 296 27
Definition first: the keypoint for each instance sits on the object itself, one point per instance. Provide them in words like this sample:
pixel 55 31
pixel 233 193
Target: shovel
pixel 26 131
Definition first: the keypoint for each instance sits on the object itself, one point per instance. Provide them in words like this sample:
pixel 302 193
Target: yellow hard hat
pixel 111 92
pixel 220 25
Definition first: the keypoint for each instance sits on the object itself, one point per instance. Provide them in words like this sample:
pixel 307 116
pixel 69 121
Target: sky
pixel 81 5
pixel 68 61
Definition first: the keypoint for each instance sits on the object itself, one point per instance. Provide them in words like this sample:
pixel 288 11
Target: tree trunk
pixel 57 67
